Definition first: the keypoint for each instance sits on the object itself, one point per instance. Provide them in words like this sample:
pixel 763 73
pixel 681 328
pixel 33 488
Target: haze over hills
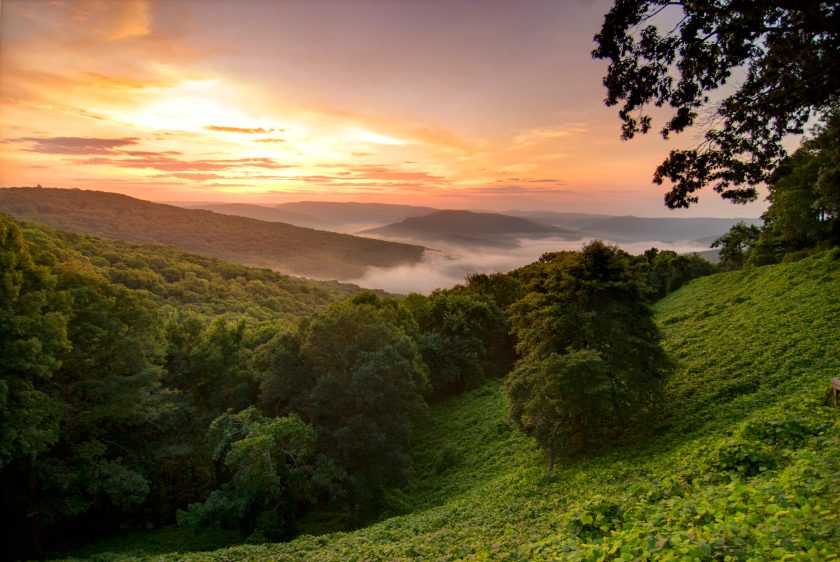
pixel 247 241
pixel 633 229
pixel 471 229
pixel 266 213
pixel 352 216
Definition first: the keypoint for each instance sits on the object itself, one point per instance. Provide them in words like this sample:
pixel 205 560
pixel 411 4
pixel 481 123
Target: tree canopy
pixel 784 57
pixel 590 351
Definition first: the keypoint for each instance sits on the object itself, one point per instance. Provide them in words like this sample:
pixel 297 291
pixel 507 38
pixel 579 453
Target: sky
pixel 468 104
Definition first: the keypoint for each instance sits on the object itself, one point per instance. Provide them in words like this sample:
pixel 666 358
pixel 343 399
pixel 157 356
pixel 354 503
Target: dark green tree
pixel 464 337
pixel 667 270
pixel 33 335
pixel 590 352
pixel 359 380
pixel 804 212
pixel 784 57
pixel 270 464
pixel 735 245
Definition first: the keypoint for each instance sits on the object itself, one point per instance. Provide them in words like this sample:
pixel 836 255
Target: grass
pixel 745 463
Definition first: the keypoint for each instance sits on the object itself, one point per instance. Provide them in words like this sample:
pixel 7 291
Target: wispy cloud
pixel 75 145
pixel 540 135
pixel 243 130
pixel 166 163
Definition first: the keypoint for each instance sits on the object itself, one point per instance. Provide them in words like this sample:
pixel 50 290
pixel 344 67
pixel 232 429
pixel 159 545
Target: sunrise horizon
pixel 402 103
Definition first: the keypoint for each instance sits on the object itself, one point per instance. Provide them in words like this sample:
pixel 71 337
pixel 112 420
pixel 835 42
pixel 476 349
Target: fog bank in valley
pixel 445 267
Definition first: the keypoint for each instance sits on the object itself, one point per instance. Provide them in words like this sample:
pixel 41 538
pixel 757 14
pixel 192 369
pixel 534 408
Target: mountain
pixel 630 229
pixel 638 229
pixel 351 216
pixel 264 213
pixel 282 247
pixel 468 228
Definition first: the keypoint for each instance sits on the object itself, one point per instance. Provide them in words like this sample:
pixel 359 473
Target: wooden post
pixel 835 389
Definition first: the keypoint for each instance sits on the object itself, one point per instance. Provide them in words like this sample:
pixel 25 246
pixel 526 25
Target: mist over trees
pixel 142 385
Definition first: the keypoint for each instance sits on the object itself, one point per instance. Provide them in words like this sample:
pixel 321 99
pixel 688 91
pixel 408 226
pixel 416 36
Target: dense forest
pixel 145 386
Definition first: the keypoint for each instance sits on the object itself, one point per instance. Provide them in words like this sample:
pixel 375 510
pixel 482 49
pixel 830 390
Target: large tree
pixel 590 352
pixel 779 59
pixel 359 380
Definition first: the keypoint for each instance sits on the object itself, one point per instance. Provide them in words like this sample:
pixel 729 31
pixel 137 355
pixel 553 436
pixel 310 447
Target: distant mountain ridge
pixel 354 216
pixel 247 241
pixel 633 229
pixel 469 228
pixel 386 221
pixel 265 213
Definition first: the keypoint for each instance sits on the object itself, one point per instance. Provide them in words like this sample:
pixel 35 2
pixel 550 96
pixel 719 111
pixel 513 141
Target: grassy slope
pixel 746 463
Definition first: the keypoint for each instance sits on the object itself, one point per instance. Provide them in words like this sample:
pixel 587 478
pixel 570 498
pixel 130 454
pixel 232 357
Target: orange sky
pixel 457 104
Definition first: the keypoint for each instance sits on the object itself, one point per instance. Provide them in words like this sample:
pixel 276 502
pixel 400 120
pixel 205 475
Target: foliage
pixel 667 271
pixel 33 334
pixel 112 369
pixel 590 352
pixel 358 379
pixel 754 352
pixel 804 212
pixel 271 462
pixel 188 281
pixel 680 54
pixel 463 338
pixel 736 244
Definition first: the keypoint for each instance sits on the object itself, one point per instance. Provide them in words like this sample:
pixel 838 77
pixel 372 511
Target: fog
pixel 447 266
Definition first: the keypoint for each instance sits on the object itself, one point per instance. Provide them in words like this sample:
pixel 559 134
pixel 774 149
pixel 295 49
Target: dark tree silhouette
pixel 676 53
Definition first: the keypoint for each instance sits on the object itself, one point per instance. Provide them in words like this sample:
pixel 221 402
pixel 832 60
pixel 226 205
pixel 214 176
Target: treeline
pixel 142 386
pixel 804 213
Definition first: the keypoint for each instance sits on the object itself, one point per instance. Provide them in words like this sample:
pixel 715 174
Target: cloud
pixel 539 135
pixel 193 176
pixel 75 145
pixel 243 130
pixel 385 173
pixel 164 162
pixel 270 140
pixel 518 190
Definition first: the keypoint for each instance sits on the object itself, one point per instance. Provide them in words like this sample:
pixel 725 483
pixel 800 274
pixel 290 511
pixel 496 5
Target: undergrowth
pixel 744 463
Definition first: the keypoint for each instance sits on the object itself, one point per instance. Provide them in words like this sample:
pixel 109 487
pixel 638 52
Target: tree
pixel 735 245
pixel 590 351
pixel 33 335
pixel 358 379
pixel 788 53
pixel 464 336
pixel 804 212
pixel 271 467
pixel 667 271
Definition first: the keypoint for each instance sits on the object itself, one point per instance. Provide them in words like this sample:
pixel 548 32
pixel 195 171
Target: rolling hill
pixel 742 464
pixel 636 229
pixel 352 216
pixel 282 247
pixel 468 228
pixel 264 213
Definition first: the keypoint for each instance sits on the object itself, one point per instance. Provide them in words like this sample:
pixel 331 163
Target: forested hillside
pixel 256 243
pixel 742 460
pixel 145 388
pixel 468 228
